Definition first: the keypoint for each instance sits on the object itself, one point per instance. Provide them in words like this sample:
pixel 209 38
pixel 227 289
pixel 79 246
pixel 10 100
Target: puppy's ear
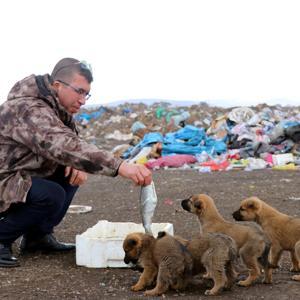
pixel 250 205
pixel 198 204
pixel 253 205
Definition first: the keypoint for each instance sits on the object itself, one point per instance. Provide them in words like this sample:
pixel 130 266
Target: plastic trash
pixel 202 157
pixel 256 164
pixel 288 167
pixel 143 153
pixel 180 118
pixel 119 136
pixel 136 126
pixel 204 169
pixel 282 159
pixel 174 161
pixel 79 209
pixel 216 166
pixel 241 114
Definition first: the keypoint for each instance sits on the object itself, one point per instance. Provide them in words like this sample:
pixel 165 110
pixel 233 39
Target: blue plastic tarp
pixel 188 140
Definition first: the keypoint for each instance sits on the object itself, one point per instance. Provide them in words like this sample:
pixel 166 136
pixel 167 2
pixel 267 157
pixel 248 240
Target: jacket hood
pixel 39 87
pixel 34 87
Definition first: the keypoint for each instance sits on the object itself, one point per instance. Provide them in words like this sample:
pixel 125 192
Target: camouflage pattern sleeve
pixel 47 136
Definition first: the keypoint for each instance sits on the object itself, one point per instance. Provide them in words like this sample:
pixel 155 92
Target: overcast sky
pixel 225 52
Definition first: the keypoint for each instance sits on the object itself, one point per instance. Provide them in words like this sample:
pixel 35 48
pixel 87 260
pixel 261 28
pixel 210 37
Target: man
pixel 42 159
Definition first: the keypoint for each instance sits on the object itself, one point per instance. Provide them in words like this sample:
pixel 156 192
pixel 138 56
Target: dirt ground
pixel 56 276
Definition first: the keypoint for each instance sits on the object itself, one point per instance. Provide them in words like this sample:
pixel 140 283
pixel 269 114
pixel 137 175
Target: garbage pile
pixel 199 137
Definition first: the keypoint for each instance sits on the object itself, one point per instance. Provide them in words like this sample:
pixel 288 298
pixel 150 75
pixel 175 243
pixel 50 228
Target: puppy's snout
pixel 126 260
pixel 237 215
pixel 185 204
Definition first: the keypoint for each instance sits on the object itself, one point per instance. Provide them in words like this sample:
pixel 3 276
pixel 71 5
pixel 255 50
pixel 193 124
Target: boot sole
pixel 9 265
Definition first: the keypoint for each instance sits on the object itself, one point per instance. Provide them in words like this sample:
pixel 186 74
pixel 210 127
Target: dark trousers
pixel 46 204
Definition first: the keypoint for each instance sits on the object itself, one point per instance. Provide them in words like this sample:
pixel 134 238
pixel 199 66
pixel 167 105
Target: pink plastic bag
pixel 175 161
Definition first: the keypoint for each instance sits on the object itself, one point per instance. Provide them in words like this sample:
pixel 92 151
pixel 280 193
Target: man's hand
pixel 77 177
pixel 136 172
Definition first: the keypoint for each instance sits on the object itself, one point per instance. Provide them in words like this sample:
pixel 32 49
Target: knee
pixel 55 199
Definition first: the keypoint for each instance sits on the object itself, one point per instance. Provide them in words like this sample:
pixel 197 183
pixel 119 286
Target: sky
pixel 222 52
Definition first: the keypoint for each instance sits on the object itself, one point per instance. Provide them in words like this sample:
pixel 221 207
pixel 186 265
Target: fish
pixel 148 203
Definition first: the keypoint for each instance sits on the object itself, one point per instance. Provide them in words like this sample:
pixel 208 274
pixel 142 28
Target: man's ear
pixel 56 85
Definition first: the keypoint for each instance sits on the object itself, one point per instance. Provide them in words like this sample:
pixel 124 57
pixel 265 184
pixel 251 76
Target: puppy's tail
pixel 264 258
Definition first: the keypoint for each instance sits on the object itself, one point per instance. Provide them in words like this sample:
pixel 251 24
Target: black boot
pixel 47 243
pixel 7 260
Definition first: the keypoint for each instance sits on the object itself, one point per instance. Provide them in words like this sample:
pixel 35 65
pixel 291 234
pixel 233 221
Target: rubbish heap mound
pixel 202 137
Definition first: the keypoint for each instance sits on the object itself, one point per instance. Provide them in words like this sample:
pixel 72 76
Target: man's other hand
pixel 77 177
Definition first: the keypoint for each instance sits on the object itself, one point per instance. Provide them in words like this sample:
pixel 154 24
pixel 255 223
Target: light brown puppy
pixel 218 254
pixel 164 260
pixel 283 230
pixel 252 243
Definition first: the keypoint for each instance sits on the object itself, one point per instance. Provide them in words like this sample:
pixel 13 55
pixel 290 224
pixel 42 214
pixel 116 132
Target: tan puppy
pixel 217 253
pixel 252 243
pixel 164 260
pixel 283 230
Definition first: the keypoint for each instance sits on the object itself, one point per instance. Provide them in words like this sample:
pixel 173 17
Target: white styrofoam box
pixel 101 246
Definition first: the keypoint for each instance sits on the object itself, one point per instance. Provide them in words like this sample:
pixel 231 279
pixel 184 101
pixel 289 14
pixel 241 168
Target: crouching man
pixel 43 161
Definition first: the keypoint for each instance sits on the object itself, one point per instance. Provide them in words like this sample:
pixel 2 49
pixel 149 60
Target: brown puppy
pixel 163 259
pixel 252 243
pixel 283 230
pixel 217 254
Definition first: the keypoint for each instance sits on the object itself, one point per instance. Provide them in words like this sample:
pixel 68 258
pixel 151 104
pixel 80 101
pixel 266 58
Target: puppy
pixel 163 259
pixel 252 243
pixel 217 254
pixel 283 230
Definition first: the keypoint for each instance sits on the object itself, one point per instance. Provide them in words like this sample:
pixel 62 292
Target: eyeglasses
pixel 79 91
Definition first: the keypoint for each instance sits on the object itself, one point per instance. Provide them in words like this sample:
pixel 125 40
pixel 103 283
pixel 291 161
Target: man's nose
pixel 82 100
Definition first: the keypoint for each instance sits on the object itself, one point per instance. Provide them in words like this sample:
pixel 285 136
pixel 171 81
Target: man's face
pixel 72 93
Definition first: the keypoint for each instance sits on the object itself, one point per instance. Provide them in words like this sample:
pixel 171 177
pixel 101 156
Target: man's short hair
pixel 67 67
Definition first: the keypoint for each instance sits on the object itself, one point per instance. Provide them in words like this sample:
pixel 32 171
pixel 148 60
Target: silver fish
pixel 148 202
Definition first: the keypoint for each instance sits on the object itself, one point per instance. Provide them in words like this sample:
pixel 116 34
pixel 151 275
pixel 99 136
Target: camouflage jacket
pixel 37 135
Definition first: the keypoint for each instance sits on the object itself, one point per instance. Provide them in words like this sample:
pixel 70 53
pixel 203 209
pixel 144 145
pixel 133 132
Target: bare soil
pixel 57 276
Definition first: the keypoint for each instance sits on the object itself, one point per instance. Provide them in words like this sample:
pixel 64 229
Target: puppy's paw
pixel 152 292
pixel 210 292
pixel 136 288
pixel 244 283
pixel 296 277
pixel 267 281
pixel 268 278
